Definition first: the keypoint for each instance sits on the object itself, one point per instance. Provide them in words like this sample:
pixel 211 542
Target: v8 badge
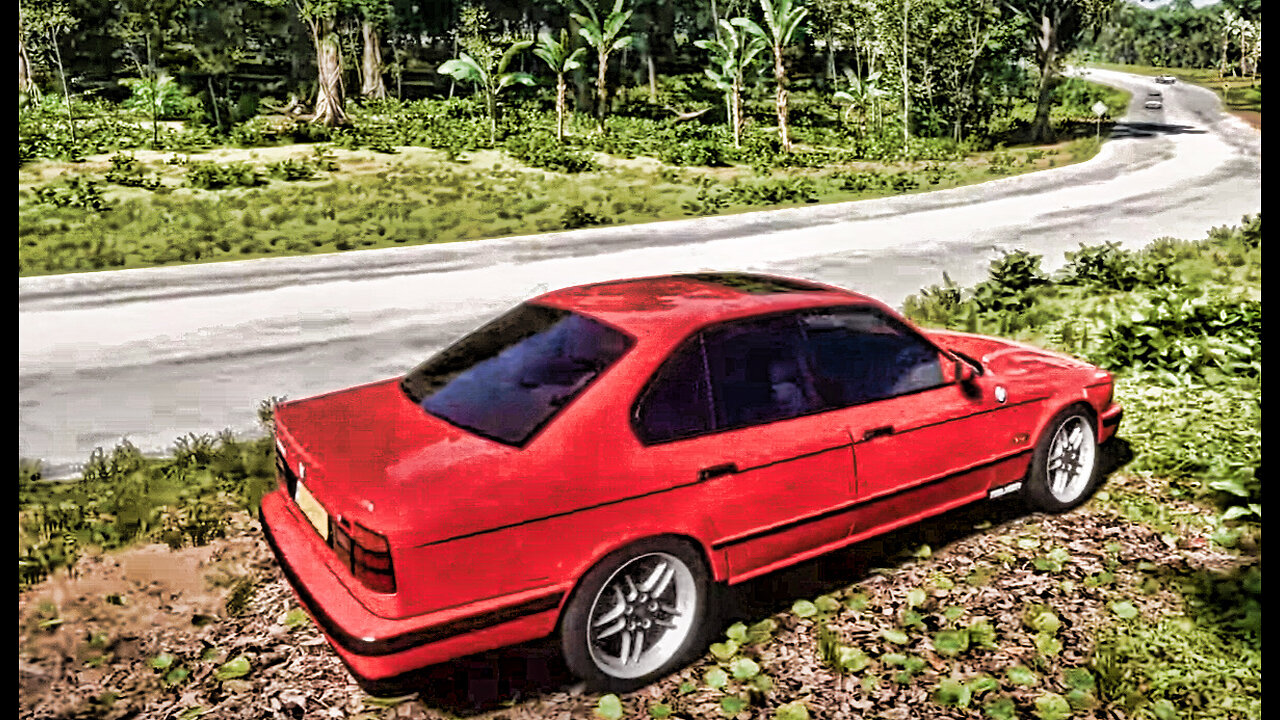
pixel 1001 394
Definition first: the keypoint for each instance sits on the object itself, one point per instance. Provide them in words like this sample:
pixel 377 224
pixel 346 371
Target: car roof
pixel 680 304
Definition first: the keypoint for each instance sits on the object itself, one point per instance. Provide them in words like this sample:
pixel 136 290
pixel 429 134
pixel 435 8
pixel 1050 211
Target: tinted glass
pixel 510 377
pixel 860 355
pixel 677 402
pixel 758 372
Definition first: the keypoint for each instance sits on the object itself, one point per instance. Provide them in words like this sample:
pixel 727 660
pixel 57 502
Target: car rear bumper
pixel 376 648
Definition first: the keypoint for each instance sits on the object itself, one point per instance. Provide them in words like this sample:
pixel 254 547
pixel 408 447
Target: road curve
pixel 153 354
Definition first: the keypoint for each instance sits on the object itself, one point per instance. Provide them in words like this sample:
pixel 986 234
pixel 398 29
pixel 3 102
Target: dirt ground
pixel 215 632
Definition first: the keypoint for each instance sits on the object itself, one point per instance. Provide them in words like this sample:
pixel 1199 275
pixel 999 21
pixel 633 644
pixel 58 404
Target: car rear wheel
pixel 1065 466
pixel 639 614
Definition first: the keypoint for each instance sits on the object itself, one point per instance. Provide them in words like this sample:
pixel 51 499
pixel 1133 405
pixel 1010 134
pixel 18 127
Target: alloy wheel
pixel 1072 459
pixel 642 615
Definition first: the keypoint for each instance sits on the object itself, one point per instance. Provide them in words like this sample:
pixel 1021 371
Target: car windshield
pixel 510 377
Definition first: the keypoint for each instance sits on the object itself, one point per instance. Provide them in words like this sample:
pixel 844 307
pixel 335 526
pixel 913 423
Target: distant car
pixel 1155 100
pixel 596 461
pixel 1166 79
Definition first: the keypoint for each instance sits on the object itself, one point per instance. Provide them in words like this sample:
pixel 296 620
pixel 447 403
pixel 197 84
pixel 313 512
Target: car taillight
pixel 366 553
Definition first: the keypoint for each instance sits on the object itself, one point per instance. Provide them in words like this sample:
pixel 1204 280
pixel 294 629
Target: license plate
pixel 312 509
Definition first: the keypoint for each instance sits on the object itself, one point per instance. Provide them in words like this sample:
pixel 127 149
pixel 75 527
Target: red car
pixel 598 460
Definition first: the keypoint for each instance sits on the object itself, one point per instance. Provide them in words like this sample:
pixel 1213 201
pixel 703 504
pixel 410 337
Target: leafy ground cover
pixel 1143 603
pixel 280 201
pixel 407 173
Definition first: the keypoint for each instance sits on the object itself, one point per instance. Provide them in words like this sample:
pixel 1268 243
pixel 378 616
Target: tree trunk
pixel 561 106
pixel 155 96
pixel 213 101
pixel 906 88
pixel 738 121
pixel 372 85
pixel 831 54
pixel 25 83
pixel 1222 66
pixel 66 92
pixel 491 100
pixel 1048 51
pixel 780 101
pixel 653 76
pixel 602 90
pixel 329 96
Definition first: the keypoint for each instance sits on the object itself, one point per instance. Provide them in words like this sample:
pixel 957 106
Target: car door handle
pixel 877 432
pixel 714 471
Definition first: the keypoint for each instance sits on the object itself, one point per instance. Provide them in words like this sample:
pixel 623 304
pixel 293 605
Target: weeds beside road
pixel 409 173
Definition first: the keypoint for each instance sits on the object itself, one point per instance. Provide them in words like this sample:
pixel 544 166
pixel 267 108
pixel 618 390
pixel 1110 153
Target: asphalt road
pixel 152 355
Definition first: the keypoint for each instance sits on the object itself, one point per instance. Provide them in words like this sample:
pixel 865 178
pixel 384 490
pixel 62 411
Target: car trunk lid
pixel 368 455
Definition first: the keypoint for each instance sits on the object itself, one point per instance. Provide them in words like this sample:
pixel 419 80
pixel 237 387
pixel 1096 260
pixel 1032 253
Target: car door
pixel 922 440
pixel 734 408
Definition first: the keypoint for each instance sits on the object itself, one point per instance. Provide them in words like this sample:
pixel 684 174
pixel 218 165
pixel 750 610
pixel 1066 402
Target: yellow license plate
pixel 312 509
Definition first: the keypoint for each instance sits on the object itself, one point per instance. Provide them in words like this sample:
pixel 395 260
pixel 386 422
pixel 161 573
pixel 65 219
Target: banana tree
pixel 782 20
pixel 733 50
pixel 860 93
pixel 490 81
pixel 557 56
pixel 605 35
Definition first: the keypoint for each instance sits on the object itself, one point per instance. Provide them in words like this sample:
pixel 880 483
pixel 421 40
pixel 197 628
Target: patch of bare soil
pixel 215 632
pixel 1253 117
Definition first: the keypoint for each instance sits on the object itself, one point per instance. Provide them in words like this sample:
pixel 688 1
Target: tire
pixel 1066 464
pixel 639 614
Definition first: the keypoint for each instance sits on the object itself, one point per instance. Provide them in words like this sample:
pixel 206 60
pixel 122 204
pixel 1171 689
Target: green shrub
pixel 126 170
pixel 541 150
pixel 1179 667
pixel 696 151
pixel 577 216
pixel 213 176
pixel 164 96
pixel 77 192
pixel 122 496
pixel 99 127
pixel 1183 333
pixel 1010 279
pixel 776 191
pixel 1103 265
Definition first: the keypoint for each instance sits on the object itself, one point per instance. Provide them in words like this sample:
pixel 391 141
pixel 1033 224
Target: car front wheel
pixel 636 616
pixel 1065 466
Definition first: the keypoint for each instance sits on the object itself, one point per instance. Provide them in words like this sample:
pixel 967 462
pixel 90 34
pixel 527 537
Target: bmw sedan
pixel 596 462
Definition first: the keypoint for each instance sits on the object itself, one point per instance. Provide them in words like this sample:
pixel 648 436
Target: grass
pixel 410 174
pixel 370 200
pixel 1193 417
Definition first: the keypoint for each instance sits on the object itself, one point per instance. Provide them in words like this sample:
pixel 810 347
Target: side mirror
pixel 964 372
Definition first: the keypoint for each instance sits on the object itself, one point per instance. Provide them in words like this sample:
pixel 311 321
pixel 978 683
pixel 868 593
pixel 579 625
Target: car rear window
pixel 510 377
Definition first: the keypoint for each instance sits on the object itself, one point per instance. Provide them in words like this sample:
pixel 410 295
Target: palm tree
pixel 490 81
pixel 733 50
pixel 605 36
pixel 557 56
pixel 782 21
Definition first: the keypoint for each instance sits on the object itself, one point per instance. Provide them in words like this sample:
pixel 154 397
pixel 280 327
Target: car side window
pixel 759 372
pixel 859 355
pixel 677 402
